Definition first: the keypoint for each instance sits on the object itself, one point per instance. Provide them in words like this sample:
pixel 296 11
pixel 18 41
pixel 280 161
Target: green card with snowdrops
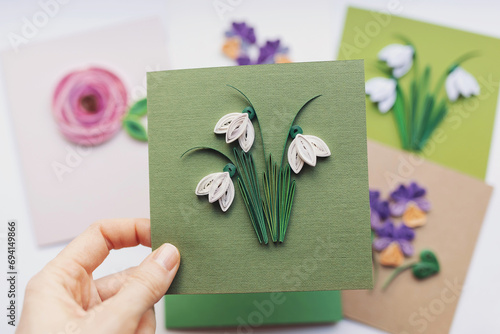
pixel 429 89
pixel 258 174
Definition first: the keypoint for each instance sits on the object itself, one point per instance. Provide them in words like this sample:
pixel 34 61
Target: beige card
pixel 459 204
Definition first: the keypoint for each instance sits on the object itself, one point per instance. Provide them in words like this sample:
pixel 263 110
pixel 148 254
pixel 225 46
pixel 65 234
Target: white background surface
pixel 312 29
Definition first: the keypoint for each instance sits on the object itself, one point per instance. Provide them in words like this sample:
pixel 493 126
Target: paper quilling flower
pixel 305 149
pixel 379 210
pixel 218 187
pixel 241 43
pixel 394 242
pixel 399 57
pixel 238 126
pixel 403 196
pixel 418 105
pixel 269 199
pixel 461 83
pixel 382 91
pixel 401 236
pixel 89 105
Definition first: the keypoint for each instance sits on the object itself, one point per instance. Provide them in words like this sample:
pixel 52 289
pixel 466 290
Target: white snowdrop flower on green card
pixel 382 91
pixel 238 126
pixel 218 187
pixel 305 149
pixel 399 57
pixel 460 82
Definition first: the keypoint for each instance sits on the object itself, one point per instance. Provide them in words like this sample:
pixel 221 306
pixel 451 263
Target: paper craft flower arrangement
pixel 91 105
pixel 241 44
pixel 394 241
pixel 269 199
pixel 420 109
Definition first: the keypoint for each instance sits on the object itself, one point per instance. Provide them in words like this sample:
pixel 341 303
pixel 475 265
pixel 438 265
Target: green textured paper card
pixel 327 245
pixel 251 310
pixel 462 141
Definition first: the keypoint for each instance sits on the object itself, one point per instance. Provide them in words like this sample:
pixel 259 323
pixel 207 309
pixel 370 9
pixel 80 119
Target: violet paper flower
pixel 267 54
pixel 244 31
pixel 379 210
pixel 403 196
pixel 402 235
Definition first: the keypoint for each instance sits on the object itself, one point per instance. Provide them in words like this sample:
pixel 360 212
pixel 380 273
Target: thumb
pixel 147 284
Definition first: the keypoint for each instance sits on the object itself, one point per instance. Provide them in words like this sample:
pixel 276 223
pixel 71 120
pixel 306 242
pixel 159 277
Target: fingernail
pixel 167 256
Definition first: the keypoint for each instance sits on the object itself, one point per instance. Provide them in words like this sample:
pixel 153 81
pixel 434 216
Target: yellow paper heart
pixel 414 216
pixel 392 256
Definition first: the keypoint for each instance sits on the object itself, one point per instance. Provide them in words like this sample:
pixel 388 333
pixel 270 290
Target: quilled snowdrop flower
pixel 238 126
pixel 218 187
pixel 382 91
pixel 305 149
pixel 460 82
pixel 399 57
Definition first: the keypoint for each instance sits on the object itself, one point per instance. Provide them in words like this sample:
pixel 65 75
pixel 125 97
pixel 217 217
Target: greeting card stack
pixel 263 177
pixel 259 176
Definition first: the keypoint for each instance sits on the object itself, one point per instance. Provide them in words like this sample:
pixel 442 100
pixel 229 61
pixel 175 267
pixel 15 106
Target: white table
pixel 194 29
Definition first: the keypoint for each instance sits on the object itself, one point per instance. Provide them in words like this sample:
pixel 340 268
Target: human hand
pixel 64 297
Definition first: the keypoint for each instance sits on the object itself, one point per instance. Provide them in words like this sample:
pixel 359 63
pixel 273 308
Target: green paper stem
pixel 197 148
pixel 396 272
pixel 426 267
pixel 256 118
pixel 463 58
pixel 293 121
pixel 399 114
pixel 250 190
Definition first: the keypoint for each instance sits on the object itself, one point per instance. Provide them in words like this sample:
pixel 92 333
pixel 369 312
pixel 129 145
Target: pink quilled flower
pixel 89 105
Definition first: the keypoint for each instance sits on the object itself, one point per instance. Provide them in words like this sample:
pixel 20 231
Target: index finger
pixel 91 247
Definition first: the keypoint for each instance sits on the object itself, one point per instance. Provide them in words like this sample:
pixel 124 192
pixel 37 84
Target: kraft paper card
pixel 72 176
pixel 430 89
pixel 445 214
pixel 219 197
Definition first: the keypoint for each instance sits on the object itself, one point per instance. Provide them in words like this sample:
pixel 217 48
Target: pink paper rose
pixel 89 105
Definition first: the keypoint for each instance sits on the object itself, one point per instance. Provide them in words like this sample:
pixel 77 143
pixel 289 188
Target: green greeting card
pixel 226 252
pixel 430 89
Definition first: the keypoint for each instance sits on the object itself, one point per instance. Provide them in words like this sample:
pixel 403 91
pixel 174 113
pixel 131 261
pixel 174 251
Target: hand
pixel 64 297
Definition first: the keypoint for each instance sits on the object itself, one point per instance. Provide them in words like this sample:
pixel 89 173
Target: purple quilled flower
pixel 403 195
pixel 268 51
pixel 379 210
pixel 402 234
pixel 244 31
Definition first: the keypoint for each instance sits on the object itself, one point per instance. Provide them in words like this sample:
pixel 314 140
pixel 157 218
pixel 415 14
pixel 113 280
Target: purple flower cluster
pixel 383 211
pixel 241 43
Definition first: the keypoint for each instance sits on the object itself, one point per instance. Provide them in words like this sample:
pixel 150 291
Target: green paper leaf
pixel 139 108
pixel 132 124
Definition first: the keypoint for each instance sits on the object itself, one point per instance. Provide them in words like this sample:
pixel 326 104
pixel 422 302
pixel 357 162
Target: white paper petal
pixel 219 187
pixel 466 83
pixel 398 72
pixel 396 55
pixel 462 84
pixel 223 123
pixel 451 88
pixel 386 105
pixel 380 88
pixel 246 140
pixel 296 163
pixel 305 150
pixel 237 127
pixel 227 199
pixel 204 185
pixel 319 146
